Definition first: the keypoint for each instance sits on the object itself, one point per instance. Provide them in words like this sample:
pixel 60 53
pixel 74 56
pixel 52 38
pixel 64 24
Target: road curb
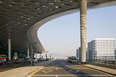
pixel 28 75
pixel 101 71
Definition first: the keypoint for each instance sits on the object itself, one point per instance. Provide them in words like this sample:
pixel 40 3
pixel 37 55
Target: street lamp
pixel 50 56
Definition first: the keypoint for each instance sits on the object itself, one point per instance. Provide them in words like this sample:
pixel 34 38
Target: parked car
pixel 27 60
pixel 17 61
pixel 1 61
pixel 35 60
pixel 41 59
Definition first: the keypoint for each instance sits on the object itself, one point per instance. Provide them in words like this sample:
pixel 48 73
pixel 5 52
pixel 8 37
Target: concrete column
pixel 32 62
pixel 28 53
pixel 36 55
pixel 46 56
pixel 9 49
pixel 83 15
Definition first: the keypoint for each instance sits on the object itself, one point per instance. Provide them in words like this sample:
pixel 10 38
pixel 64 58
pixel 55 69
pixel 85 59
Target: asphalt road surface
pixel 62 68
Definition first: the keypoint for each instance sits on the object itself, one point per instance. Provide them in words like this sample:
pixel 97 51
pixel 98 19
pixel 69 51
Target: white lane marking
pixel 77 71
pixel 56 68
pixel 47 71
pixel 56 75
pixel 74 71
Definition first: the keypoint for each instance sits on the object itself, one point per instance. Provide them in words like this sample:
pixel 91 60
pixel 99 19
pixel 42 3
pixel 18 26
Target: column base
pixel 83 62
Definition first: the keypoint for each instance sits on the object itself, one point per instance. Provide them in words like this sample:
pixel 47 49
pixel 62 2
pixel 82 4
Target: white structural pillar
pixel 28 53
pixel 9 49
pixel 83 20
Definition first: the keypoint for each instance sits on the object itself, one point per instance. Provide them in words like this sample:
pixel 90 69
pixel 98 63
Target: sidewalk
pixel 23 71
pixel 19 72
pixel 104 69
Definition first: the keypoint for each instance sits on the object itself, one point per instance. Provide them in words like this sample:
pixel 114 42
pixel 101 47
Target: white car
pixel 35 60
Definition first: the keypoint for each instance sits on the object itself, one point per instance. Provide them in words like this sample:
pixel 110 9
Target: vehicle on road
pixel 36 60
pixel 27 60
pixel 1 61
pixel 41 59
pixel 17 61
pixel 72 59
pixel 4 58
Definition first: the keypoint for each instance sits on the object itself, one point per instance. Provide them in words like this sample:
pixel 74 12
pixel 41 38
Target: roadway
pixel 62 68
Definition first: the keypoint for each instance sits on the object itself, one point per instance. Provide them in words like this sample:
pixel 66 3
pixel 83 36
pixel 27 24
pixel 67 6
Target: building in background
pixel 115 54
pixel 78 54
pixel 101 49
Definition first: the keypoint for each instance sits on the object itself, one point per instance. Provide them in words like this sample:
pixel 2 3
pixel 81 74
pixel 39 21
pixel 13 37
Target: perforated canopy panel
pixel 17 16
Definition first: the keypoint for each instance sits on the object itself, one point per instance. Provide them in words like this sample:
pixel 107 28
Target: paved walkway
pixel 19 72
pixel 23 71
pixel 108 70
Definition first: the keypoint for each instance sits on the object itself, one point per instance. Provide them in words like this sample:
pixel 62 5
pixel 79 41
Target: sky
pixel 61 36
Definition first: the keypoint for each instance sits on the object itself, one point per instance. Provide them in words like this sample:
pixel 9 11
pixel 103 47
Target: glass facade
pixel 102 49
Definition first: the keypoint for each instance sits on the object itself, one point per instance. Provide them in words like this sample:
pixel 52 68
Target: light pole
pixel 50 56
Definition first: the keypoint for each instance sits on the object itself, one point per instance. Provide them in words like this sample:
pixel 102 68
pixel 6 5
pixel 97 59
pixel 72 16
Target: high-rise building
pixel 101 49
pixel 78 54
pixel 115 54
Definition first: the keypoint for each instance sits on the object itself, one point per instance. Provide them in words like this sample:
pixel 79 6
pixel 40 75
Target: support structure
pixel 83 15
pixel 28 53
pixel 9 49
pixel 36 55
pixel 46 55
pixel 32 61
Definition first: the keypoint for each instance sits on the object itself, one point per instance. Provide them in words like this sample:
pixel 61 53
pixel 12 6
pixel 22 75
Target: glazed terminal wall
pixel 4 51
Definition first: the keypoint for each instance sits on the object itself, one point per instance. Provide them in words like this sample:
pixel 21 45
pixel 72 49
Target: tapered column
pixel 28 53
pixel 83 15
pixel 32 62
pixel 9 49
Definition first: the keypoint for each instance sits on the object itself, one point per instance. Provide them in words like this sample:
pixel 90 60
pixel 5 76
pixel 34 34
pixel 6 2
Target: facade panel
pixel 101 49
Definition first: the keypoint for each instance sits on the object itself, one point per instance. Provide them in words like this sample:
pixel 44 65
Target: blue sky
pixel 61 36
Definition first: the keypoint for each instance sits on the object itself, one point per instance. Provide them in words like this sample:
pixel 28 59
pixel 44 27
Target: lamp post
pixel 50 56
